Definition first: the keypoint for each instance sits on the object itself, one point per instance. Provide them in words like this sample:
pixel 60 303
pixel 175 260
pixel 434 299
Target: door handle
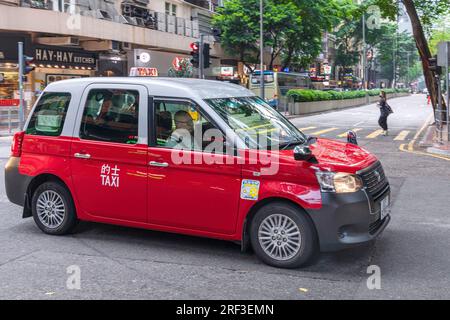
pixel 82 155
pixel 158 164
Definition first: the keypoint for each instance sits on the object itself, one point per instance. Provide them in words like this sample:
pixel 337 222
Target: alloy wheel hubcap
pixel 50 209
pixel 279 237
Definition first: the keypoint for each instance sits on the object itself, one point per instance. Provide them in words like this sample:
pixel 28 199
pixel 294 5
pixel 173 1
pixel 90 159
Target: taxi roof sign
pixel 143 72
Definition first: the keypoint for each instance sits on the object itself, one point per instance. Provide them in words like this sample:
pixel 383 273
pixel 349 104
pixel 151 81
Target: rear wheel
pixel 53 209
pixel 283 236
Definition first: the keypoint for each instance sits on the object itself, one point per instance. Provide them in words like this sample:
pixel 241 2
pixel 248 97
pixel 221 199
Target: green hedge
pixel 307 95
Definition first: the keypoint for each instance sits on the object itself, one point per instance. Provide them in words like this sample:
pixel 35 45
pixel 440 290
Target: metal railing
pixel 442 132
pixel 131 12
pixel 9 118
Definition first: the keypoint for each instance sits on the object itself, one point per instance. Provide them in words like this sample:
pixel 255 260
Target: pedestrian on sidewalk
pixel 385 111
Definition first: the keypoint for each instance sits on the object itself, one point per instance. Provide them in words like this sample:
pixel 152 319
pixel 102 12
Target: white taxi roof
pixel 165 87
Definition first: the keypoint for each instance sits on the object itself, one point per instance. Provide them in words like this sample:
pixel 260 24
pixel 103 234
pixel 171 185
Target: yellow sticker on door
pixel 250 189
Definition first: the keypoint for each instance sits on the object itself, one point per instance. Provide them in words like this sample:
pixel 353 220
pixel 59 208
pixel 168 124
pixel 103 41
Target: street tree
pixel 421 13
pixel 185 70
pixel 293 29
pixel 439 32
pixel 348 38
pixel 317 17
pixel 238 22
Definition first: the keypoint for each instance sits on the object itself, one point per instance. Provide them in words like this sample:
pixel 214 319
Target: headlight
pixel 339 182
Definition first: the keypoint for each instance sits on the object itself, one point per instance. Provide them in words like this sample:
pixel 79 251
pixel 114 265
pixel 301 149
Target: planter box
pixel 301 108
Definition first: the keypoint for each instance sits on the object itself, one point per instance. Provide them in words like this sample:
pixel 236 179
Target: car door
pixel 109 152
pixel 198 194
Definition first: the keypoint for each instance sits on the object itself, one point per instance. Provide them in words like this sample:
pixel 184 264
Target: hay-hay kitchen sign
pixel 64 57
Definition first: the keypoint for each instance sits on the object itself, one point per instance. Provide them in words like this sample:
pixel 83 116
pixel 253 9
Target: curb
pixel 333 110
pixel 428 137
pixel 410 146
pixel 438 151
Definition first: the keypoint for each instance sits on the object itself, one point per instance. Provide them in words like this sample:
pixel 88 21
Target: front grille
pixel 373 227
pixel 374 179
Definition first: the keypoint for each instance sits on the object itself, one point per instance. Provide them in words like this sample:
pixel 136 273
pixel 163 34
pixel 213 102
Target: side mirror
pixel 352 138
pixel 304 153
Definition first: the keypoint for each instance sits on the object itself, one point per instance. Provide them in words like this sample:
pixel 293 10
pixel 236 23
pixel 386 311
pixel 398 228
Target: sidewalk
pixel 5 146
pixel 430 142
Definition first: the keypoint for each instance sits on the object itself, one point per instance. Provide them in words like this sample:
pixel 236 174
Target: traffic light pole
pixel 201 62
pixel 21 68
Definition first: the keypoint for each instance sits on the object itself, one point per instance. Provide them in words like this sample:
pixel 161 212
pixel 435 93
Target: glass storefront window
pixel 10 83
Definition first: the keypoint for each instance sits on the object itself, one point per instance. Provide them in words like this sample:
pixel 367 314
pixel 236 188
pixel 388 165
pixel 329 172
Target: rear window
pixel 49 115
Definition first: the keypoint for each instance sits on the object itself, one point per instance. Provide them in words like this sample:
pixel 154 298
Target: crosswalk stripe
pixel 317 133
pixel 375 134
pixel 307 128
pixel 402 135
pixel 343 135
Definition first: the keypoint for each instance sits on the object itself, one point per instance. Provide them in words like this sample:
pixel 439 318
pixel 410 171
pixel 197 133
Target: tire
pixel 277 220
pixel 53 209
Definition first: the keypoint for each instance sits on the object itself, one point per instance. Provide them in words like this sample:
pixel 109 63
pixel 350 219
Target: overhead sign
pixel 62 56
pixel 9 102
pixel 143 72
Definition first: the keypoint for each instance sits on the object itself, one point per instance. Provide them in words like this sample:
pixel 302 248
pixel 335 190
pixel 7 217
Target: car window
pixel 49 115
pixel 255 122
pixel 111 115
pixel 181 125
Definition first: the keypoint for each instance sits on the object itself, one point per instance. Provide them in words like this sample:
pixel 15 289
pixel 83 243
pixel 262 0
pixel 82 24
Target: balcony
pixel 131 12
pixel 88 29
pixel 210 5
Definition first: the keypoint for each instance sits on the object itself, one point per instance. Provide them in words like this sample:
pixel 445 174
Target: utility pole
pixel 394 51
pixel 21 68
pixel 261 40
pixel 407 70
pixel 364 50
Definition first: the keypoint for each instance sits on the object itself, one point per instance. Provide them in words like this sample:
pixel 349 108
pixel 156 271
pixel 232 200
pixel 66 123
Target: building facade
pixel 82 38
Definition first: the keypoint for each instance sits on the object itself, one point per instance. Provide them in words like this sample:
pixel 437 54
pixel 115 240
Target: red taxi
pixel 196 157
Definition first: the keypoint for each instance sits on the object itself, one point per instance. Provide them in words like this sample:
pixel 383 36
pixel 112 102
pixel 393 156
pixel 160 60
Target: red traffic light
pixel 195 46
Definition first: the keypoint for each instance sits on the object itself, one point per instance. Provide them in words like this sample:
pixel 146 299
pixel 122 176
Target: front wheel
pixel 283 236
pixel 53 209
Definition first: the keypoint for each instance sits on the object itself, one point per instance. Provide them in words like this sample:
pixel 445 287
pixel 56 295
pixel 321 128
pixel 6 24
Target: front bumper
pixel 347 220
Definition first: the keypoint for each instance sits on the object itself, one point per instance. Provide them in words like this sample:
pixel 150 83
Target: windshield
pixel 256 123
